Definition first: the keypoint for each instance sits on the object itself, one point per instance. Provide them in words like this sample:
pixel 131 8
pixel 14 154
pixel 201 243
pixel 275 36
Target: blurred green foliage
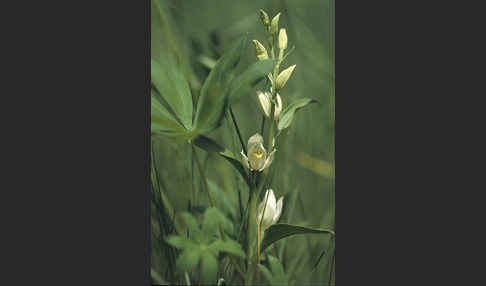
pixel 198 33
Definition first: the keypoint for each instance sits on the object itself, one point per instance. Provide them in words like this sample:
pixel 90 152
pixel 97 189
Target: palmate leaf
pixel 192 226
pixel 172 85
pixel 288 113
pixel 214 92
pixel 161 120
pixel 210 145
pixel 279 231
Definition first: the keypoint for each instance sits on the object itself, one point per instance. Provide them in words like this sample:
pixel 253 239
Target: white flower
pixel 257 158
pixel 271 212
pixel 265 104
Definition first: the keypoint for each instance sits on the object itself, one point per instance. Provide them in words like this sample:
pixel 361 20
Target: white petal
pixel 264 102
pixel 278 210
pixel 255 139
pixel 245 160
pixel 257 161
pixel 267 211
pixel 278 106
pixel 272 201
pixel 269 160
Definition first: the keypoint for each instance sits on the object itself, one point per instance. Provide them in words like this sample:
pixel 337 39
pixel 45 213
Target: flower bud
pixel 274 25
pixel 283 77
pixel 261 52
pixel 265 103
pixel 264 17
pixel 269 210
pixel 282 39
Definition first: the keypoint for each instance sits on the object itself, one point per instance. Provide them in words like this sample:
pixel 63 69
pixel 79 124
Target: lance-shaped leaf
pixel 210 145
pixel 214 92
pixel 188 260
pixel 279 231
pixel 249 78
pixel 228 246
pixel 287 116
pixel 209 268
pixel 156 278
pixel 161 121
pixel 172 85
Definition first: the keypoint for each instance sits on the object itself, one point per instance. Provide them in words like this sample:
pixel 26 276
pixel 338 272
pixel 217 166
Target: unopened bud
pixel 282 39
pixel 264 17
pixel 261 52
pixel 266 104
pixel 274 25
pixel 283 77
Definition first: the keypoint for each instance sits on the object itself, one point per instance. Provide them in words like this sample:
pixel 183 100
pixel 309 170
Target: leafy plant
pixel 203 245
pixel 213 220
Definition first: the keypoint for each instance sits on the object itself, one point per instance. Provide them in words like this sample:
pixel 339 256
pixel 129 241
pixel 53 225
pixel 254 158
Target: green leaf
pixel 210 145
pixel 266 273
pixel 178 241
pixel 288 214
pixel 161 121
pixel 214 92
pixel 279 231
pixel 156 278
pixel 251 77
pixel 226 201
pixel 212 217
pixel 173 87
pixel 209 268
pixel 228 246
pixel 188 260
pixel 192 226
pixel 279 276
pixel 287 115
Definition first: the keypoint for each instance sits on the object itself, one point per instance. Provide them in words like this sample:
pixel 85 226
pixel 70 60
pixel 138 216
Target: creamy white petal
pixel 269 160
pixel 272 201
pixel 268 209
pixel 264 100
pixel 245 160
pixel 255 139
pixel 278 210
pixel 257 156
pixel 278 107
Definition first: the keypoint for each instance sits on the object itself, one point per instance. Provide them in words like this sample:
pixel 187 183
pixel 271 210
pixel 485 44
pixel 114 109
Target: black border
pixel 402 79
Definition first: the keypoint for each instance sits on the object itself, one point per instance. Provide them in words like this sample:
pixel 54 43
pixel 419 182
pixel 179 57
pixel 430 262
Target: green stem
pixel 237 130
pixel 252 233
pixel 206 186
pixel 262 129
pixel 203 176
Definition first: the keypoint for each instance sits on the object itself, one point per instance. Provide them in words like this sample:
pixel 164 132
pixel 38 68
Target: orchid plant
pixel 210 250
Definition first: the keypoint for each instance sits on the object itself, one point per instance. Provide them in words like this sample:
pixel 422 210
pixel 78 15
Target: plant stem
pixel 262 129
pixel 237 130
pixel 203 176
pixel 252 236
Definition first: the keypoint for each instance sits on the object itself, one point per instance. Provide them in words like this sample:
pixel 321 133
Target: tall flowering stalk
pixel 257 160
